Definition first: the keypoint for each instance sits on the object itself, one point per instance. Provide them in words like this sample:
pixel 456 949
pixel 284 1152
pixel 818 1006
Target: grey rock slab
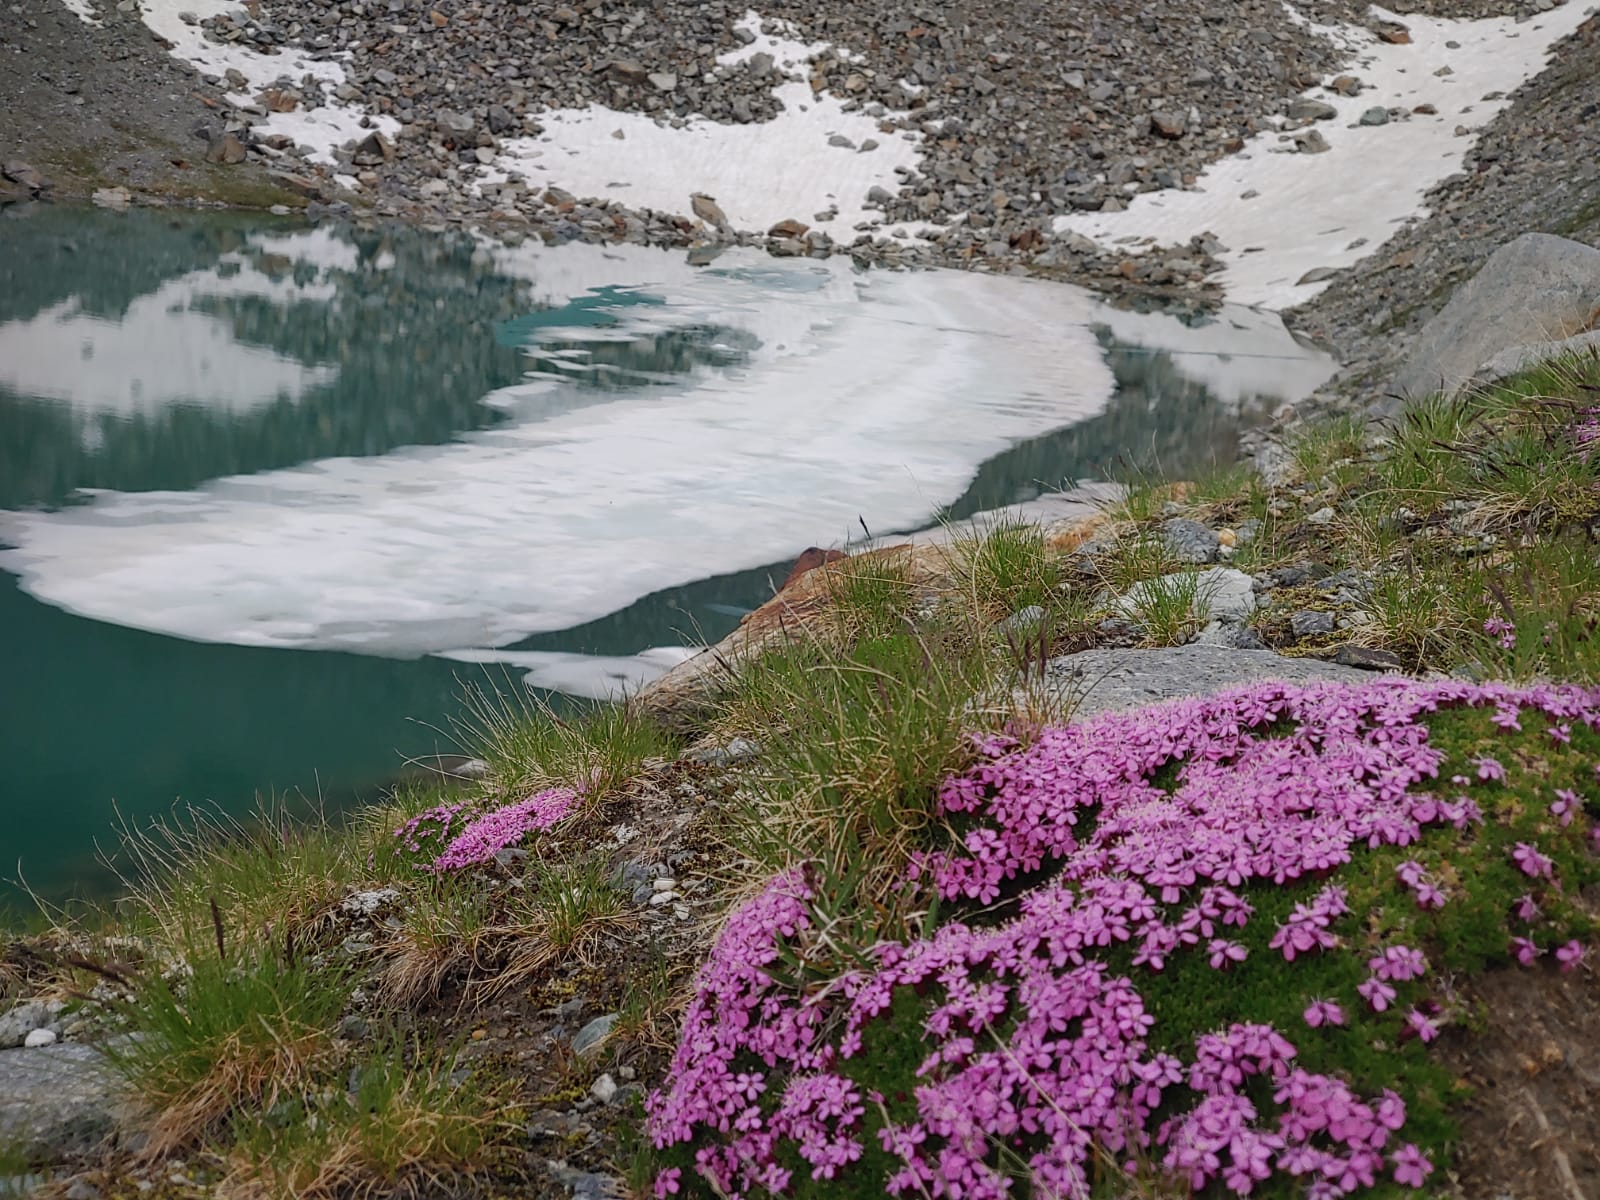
pixel 1117 680
pixel 736 751
pixel 1535 288
pixel 1189 541
pixel 588 1039
pixel 1306 109
pixel 1307 623
pixel 588 1185
pixel 1023 621
pixel 1514 360
pixel 56 1101
pixel 1222 592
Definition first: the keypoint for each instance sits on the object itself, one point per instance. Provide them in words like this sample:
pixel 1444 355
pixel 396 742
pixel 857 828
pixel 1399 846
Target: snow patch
pixel 1333 209
pixel 760 173
pixel 320 129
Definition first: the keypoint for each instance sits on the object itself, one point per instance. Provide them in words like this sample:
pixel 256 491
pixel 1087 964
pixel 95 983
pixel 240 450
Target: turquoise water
pixel 154 368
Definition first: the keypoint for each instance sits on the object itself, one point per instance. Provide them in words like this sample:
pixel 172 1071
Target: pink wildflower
pixel 667 1183
pixel 1527 910
pixel 1565 806
pixel 1323 1012
pixel 1376 993
pixel 1526 951
pixel 1398 963
pixel 1420 1025
pixel 1489 769
pixel 1569 955
pixel 1411 1166
pixel 1530 862
pixel 486 836
pixel 1505 631
pixel 1223 953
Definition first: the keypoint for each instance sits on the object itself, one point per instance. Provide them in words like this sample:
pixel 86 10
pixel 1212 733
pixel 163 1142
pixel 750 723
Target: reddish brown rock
pixel 810 558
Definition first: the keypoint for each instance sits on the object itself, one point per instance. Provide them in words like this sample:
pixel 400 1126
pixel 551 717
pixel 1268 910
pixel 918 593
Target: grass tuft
pixel 404 1124
pixel 529 746
pixel 210 1037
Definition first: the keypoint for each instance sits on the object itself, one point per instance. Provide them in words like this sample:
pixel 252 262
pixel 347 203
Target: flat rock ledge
pixel 56 1101
pixel 1108 680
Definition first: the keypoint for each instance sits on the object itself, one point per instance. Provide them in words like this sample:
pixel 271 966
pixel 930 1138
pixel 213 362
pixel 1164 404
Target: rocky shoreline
pixel 1017 122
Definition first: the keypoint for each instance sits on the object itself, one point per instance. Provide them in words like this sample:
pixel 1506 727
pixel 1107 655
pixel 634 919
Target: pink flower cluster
pixel 1028 1041
pixel 436 825
pixel 486 835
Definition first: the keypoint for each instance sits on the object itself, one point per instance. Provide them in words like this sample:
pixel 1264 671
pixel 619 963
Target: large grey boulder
pixel 56 1101
pixel 1115 680
pixel 1538 288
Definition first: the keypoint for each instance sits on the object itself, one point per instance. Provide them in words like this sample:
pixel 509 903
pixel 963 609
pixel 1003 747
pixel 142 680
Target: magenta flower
pixel 1526 951
pixel 1223 953
pixel 1420 1025
pixel 1561 733
pixel 1323 1012
pixel 1028 1038
pixel 1429 897
pixel 1489 769
pixel 1505 716
pixel 1398 964
pixel 1530 862
pixel 1503 630
pixel 487 835
pixel 1569 955
pixel 1378 994
pixel 1411 1166
pixel 667 1183
pixel 1565 806
pixel 1527 910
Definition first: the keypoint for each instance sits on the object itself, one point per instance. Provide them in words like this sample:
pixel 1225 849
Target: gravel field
pixel 1013 113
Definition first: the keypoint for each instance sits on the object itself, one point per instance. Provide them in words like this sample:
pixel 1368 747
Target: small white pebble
pixel 661 898
pixel 39 1037
pixel 603 1089
pixel 665 885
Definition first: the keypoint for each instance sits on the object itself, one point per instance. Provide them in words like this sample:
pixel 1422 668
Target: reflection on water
pixel 304 443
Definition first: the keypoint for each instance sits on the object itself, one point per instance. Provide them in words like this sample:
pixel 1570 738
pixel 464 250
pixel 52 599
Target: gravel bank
pixel 1020 112
pixel 1011 112
pixel 105 105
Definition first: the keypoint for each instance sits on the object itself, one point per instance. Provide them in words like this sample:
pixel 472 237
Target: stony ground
pixel 1028 112
pixel 1536 168
pixel 104 106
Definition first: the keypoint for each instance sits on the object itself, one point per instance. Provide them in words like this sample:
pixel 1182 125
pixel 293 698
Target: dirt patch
pixel 104 105
pixel 1531 1130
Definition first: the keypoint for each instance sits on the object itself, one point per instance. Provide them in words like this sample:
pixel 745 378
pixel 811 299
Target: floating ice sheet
pixel 818 397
